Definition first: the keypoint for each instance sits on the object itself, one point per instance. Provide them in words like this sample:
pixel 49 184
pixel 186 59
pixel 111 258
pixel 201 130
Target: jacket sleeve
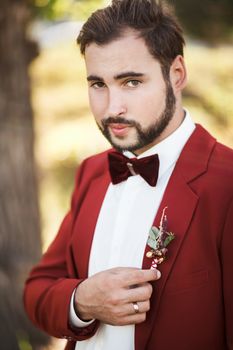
pixel 227 272
pixel 49 288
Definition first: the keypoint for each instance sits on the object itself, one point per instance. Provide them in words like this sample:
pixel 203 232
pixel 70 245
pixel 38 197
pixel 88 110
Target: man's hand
pixel 109 296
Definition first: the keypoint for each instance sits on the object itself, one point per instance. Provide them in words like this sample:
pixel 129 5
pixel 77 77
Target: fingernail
pixel 158 273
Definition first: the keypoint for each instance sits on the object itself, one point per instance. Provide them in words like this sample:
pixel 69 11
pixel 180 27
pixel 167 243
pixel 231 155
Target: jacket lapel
pixel 86 221
pixel 181 202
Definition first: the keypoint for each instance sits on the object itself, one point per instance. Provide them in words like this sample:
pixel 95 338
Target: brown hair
pixel 154 21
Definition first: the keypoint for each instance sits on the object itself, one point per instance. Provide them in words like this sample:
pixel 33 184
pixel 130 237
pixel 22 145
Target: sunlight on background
pixel 66 132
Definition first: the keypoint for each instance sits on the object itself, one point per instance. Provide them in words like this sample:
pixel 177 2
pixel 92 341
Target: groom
pixel 143 259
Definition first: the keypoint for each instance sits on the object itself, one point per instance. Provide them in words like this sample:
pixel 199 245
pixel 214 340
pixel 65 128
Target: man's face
pixel 129 98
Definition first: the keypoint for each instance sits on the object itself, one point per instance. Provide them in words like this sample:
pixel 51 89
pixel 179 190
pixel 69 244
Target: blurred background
pixel 46 127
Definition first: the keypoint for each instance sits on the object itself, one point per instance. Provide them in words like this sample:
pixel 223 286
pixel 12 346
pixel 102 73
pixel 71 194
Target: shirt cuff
pixel 74 319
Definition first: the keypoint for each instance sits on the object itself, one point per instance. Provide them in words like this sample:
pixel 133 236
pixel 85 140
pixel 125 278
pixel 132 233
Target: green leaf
pixel 169 238
pixel 154 230
pixel 153 236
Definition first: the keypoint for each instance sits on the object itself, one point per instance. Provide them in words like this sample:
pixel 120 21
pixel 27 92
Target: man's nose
pixel 116 104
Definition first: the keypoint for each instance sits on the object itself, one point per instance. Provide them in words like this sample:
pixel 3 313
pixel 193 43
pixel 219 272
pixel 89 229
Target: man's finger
pixel 136 277
pixel 140 293
pixel 142 307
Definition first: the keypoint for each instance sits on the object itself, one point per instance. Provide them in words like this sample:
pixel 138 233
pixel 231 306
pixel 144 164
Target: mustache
pixel 117 120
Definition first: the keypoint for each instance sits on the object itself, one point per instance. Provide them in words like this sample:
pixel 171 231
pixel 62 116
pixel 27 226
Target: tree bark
pixel 20 244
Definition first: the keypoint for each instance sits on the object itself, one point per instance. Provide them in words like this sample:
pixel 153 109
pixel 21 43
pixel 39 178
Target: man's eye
pixel 133 83
pixel 98 85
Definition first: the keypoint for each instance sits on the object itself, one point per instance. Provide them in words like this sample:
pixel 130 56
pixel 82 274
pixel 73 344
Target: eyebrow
pixel 128 74
pixel 94 78
pixel 117 77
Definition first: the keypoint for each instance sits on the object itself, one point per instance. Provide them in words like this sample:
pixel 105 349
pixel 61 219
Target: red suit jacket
pixel 192 303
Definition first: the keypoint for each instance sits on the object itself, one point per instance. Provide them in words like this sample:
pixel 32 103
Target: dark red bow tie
pixel 121 168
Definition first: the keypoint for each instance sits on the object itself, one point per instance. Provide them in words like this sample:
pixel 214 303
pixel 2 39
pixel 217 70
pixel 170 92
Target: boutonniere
pixel 158 240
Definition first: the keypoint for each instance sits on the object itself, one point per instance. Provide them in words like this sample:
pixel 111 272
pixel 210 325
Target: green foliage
pixel 64 9
pixel 209 20
pixel 23 341
pixel 211 83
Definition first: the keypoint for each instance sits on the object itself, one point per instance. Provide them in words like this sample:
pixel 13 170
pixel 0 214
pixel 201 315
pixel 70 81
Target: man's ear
pixel 178 74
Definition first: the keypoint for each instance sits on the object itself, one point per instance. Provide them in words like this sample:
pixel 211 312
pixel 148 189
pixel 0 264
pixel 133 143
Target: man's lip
pixel 119 129
pixel 118 126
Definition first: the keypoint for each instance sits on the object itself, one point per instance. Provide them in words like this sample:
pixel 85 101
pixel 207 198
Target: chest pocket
pixel 187 283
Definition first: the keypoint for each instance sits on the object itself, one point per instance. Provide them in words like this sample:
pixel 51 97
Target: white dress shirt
pixel 126 216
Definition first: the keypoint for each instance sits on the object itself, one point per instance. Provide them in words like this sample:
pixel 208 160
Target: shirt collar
pixel 170 148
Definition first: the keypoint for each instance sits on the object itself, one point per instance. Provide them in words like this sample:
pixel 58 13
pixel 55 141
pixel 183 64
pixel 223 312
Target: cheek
pixel 149 106
pixel 96 102
pixel 156 101
pixel 156 106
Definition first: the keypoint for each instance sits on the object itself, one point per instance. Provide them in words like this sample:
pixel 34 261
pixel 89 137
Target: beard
pixel 144 137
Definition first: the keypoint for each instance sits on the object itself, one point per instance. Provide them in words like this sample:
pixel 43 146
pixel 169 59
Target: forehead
pixel 127 53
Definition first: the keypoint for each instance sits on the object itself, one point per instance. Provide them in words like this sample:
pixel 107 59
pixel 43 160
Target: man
pixel 103 284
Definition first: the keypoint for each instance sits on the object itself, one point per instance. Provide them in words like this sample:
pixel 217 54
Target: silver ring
pixel 136 307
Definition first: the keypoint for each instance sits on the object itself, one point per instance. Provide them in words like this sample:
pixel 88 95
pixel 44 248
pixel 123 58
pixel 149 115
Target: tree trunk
pixel 20 244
